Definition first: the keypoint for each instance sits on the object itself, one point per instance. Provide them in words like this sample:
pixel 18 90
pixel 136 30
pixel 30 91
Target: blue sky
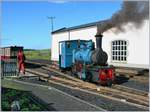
pixel 26 24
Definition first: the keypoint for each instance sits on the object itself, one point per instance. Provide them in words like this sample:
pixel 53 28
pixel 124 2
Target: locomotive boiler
pixel 85 61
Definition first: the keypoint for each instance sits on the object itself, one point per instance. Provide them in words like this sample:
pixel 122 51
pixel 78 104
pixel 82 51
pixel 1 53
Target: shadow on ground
pixel 121 79
pixel 30 65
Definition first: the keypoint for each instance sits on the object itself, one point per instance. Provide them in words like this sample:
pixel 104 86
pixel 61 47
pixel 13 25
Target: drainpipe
pixel 68 34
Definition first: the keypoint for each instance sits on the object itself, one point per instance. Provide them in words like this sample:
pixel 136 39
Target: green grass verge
pixel 38 54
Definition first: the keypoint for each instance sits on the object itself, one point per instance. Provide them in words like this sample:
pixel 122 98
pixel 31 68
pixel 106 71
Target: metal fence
pixel 9 68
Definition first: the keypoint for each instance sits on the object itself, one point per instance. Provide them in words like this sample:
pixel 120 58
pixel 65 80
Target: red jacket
pixel 21 57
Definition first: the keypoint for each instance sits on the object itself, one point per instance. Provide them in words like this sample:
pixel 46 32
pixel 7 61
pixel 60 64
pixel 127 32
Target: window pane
pixel 121 47
pixel 125 53
pixel 118 47
pixel 113 47
pixel 115 58
pixel 125 47
pixel 121 42
pixel 125 43
pixel 122 58
pixel 119 58
pixel 113 42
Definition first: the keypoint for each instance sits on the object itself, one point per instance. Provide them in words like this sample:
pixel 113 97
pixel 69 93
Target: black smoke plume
pixel 131 11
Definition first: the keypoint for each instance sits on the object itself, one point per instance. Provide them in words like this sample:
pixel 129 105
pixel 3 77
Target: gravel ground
pixel 131 83
pixel 137 85
pixel 93 99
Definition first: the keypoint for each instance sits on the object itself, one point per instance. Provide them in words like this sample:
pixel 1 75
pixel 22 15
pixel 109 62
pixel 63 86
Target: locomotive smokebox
pixel 99 57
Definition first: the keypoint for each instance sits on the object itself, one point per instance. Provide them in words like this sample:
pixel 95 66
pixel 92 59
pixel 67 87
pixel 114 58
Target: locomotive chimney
pixel 99 41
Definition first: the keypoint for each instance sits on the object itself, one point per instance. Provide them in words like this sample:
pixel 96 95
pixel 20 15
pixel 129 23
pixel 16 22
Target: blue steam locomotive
pixel 85 61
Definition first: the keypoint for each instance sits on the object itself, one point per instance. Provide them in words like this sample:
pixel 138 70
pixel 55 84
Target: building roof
pixel 74 41
pixel 78 27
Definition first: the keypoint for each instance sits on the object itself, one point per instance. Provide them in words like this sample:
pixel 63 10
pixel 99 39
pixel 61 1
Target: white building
pixel 127 49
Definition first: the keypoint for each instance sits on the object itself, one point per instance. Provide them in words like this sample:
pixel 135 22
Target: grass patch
pixel 25 98
pixel 38 54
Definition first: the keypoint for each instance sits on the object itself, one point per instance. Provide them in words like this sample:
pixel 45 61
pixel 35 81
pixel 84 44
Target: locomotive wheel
pixel 73 71
pixel 89 77
pixel 61 70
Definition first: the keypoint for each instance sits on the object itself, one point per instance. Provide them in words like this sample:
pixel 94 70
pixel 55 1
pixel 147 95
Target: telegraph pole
pixel 51 19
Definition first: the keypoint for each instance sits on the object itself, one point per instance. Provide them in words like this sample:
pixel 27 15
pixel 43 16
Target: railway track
pixel 131 74
pixel 119 87
pixel 118 93
pixel 142 81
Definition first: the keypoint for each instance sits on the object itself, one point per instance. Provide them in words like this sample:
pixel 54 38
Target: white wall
pixel 138 43
pixel 54 48
pixel 85 34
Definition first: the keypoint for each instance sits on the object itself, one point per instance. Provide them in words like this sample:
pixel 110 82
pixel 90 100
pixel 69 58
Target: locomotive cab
pixel 66 49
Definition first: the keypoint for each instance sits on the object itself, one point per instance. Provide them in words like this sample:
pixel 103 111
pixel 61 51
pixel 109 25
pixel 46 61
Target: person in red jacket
pixel 21 60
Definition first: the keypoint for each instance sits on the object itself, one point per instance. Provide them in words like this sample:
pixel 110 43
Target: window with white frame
pixel 119 50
